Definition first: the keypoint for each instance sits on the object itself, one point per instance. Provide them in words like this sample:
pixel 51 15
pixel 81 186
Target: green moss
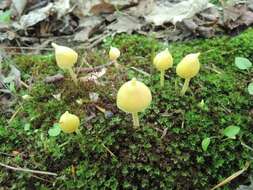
pixel 110 154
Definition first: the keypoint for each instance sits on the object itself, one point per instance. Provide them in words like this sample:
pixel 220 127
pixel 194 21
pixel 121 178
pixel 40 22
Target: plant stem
pixel 73 75
pixel 162 78
pixel 185 87
pixel 136 120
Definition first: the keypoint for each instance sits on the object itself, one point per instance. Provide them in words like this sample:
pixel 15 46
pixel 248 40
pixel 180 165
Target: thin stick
pixel 108 150
pixel 14 115
pixel 140 71
pixel 24 84
pixel 233 176
pixel 27 170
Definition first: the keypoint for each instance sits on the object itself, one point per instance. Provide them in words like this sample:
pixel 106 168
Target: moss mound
pixel 165 153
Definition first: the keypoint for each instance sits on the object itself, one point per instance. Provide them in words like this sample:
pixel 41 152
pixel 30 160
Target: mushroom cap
pixel 69 123
pixel 65 56
pixel 189 66
pixel 163 60
pixel 133 97
pixel 114 53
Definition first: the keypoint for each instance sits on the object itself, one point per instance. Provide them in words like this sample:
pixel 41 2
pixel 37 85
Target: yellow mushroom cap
pixel 163 60
pixel 189 66
pixel 65 56
pixel 69 123
pixel 133 96
pixel 114 53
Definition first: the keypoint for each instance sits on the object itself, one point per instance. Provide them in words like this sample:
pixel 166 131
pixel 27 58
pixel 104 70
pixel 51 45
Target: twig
pixel 27 170
pixel 24 84
pixel 14 115
pixel 233 176
pixel 140 71
pixel 108 150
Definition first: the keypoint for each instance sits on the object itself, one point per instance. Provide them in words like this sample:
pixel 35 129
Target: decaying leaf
pixel 125 23
pixel 238 15
pixel 88 25
pixel 19 5
pixel 170 12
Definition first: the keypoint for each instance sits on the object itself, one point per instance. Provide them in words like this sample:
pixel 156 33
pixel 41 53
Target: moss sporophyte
pixel 65 59
pixel 133 97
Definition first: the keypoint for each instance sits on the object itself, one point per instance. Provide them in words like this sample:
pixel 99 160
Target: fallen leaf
pixel 102 8
pixel 33 17
pixel 125 23
pixel 164 12
pixel 88 26
pixel 19 5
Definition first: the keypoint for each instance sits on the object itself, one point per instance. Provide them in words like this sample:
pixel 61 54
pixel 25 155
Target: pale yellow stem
pixel 73 76
pixel 136 120
pixel 185 87
pixel 162 78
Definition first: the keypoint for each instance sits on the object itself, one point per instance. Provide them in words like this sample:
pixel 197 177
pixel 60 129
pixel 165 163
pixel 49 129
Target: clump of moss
pixel 110 154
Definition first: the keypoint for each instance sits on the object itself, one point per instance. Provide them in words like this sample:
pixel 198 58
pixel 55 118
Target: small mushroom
pixel 134 97
pixel 162 62
pixel 187 69
pixel 65 59
pixel 114 54
pixel 69 123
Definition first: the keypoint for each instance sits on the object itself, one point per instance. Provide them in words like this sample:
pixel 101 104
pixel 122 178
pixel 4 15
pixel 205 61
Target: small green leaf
pixel 231 131
pixel 27 127
pixel 242 63
pixel 55 130
pixel 250 88
pixel 5 17
pixel 205 143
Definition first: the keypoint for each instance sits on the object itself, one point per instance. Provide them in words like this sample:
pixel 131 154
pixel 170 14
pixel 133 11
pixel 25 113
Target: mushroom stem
pixel 73 75
pixel 116 64
pixel 136 120
pixel 185 87
pixel 162 78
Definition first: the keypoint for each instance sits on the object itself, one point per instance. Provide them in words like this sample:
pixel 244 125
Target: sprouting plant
pixel 230 132
pixel 244 64
pixel 162 62
pixel 187 69
pixel 65 59
pixel 134 97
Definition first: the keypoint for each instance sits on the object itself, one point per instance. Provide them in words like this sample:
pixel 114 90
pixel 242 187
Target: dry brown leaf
pixel 102 8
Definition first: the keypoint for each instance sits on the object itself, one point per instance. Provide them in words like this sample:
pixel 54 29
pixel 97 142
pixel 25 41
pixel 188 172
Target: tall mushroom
pixel 134 97
pixel 188 68
pixel 65 59
pixel 162 62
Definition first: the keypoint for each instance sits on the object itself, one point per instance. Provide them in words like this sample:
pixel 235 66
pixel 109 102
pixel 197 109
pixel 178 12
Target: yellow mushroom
pixel 162 62
pixel 188 68
pixel 114 54
pixel 69 123
pixel 65 59
pixel 134 97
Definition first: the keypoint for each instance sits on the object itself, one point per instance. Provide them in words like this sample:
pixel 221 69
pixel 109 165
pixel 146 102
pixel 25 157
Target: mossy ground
pixel 142 159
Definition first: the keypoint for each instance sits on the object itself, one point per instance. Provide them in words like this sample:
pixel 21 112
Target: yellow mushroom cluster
pixel 133 96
